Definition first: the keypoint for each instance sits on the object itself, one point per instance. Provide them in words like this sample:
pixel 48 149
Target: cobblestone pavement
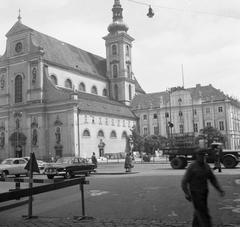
pixel 91 222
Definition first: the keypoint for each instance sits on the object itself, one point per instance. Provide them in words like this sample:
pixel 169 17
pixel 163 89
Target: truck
pixel 182 150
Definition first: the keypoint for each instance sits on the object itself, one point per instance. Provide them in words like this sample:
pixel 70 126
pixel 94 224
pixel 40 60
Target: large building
pixel 189 110
pixel 58 100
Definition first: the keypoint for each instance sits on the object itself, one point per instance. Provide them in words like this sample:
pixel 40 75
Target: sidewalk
pixel 65 222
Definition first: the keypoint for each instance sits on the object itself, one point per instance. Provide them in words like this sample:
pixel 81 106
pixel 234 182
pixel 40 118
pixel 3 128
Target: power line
pixel 184 10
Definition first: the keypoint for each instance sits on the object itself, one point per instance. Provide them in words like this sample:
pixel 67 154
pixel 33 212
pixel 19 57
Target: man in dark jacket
pixel 195 187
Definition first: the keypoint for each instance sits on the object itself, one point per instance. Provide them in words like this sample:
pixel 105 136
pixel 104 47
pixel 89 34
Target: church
pixel 59 100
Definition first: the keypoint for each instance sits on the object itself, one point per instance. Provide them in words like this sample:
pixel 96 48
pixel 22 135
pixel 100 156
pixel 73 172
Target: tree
pixel 138 140
pixel 211 134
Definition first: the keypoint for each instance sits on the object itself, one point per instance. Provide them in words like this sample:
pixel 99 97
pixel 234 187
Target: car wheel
pixel 4 173
pixel 68 175
pixel 50 176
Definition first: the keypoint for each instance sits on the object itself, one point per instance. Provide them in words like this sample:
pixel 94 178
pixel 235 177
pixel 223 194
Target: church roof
pixel 152 100
pixel 103 105
pixel 64 54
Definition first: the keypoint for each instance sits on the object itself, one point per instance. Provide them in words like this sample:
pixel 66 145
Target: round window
pixel 18 47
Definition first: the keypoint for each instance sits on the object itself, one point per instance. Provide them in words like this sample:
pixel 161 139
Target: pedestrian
pixel 217 159
pixel 195 187
pixel 128 162
pixel 94 161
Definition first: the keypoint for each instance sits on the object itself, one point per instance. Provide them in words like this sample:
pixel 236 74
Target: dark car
pixel 68 167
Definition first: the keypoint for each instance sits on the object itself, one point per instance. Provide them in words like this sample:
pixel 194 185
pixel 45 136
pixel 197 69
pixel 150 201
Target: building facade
pixel 59 100
pixel 188 110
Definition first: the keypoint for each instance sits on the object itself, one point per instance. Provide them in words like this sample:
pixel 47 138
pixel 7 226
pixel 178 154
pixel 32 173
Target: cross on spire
pixel 19 15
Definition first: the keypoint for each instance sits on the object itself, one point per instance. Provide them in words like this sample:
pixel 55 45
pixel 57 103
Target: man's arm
pixel 185 184
pixel 215 182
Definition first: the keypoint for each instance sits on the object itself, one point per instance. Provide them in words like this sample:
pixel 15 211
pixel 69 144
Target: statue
pixel 101 146
pixel 2 139
pixel 58 135
pixel 34 137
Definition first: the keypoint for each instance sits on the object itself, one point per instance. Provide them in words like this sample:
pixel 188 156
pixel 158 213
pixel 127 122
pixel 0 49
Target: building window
pixel 82 87
pixel 94 90
pixel 208 111
pixel 124 135
pixel 100 133
pixel 127 51
pixel 54 79
pixel 156 130
pixel 155 116
pixel 145 117
pixel 18 89
pixel 220 109
pixel 195 127
pixel 115 71
pixel 114 49
pixel 116 91
pixel 166 115
pixel 104 93
pixel 180 113
pixel 209 124
pixel 68 83
pixel 113 134
pixel 181 129
pixel 86 133
pixel 145 131
pixel 221 125
pixel 130 91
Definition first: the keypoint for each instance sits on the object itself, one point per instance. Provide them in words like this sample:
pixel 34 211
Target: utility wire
pixel 184 10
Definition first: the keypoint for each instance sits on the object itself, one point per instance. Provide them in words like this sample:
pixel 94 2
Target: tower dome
pixel 117 25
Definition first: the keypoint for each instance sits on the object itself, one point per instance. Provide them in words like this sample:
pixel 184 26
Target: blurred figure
pixel 195 187
pixel 128 162
pixel 94 161
pixel 217 159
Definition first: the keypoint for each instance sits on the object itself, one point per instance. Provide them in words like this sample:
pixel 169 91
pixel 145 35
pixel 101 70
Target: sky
pixel 187 42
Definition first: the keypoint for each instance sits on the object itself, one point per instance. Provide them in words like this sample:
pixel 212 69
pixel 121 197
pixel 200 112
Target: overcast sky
pixel 201 35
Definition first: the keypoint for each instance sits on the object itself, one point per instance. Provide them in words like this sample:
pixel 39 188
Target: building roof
pixel 204 93
pixel 66 55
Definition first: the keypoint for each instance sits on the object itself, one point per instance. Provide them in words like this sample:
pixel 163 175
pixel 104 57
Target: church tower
pixel 119 58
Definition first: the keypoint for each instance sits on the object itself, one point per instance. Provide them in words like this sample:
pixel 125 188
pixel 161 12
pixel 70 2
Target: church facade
pixel 59 100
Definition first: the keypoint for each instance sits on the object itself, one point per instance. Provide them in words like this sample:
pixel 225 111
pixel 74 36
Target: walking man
pixel 94 161
pixel 195 187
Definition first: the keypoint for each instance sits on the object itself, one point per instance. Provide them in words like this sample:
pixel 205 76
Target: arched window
pixel 114 49
pixel 124 135
pixel 104 93
pixel 18 89
pixel 130 91
pixel 94 90
pixel 116 91
pixel 127 50
pixel 68 83
pixel 82 87
pixel 113 134
pixel 115 71
pixel 86 133
pixel 100 133
pixel 54 79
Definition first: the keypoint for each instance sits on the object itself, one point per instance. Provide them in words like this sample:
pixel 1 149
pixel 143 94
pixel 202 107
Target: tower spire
pixel 19 16
pixel 117 24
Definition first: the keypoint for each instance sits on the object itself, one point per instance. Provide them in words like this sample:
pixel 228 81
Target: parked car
pixel 68 167
pixel 13 166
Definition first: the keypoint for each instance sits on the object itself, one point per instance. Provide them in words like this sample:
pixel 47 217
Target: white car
pixel 13 166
